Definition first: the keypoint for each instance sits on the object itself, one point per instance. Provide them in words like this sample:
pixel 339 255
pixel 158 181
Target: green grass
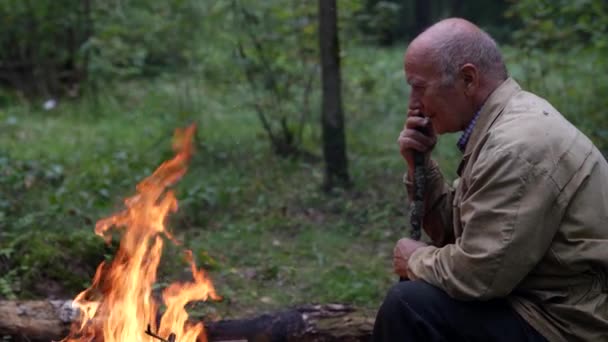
pixel 269 237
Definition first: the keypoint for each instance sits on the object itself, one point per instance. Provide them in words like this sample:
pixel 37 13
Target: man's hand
pixel 412 139
pixel 401 255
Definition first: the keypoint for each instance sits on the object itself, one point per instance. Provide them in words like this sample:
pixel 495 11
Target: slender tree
pixel 332 117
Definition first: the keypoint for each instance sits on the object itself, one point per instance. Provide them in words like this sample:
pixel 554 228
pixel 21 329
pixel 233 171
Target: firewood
pixel 51 320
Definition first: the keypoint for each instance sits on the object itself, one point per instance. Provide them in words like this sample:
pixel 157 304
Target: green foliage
pixel 141 37
pixel 570 82
pixel 40 43
pixel 380 20
pixel 562 24
pixel 36 263
pixel 393 21
pixel 562 48
pixel 277 50
pixel 16 178
pixel 50 47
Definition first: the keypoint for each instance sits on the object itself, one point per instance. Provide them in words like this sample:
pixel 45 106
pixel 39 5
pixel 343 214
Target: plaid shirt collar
pixel 464 138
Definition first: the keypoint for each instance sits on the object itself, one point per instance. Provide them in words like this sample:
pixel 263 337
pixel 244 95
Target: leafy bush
pixel 561 24
pixel 41 43
pixel 50 47
pixel 140 37
pixel 562 50
pixel 277 49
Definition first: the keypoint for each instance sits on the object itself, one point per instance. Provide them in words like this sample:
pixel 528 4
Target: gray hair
pixel 457 48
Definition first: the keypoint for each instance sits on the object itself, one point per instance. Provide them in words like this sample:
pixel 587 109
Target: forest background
pixel 91 92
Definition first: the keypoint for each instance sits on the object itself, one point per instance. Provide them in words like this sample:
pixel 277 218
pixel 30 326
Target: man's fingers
pixel 414 112
pixel 406 143
pixel 400 266
pixel 420 137
pixel 417 122
pixel 415 141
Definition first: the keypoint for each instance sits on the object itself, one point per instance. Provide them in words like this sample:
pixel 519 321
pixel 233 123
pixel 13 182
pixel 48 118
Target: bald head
pixel 454 42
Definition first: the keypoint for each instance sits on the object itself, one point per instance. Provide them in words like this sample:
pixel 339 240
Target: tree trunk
pixel 51 320
pixel 423 15
pixel 334 145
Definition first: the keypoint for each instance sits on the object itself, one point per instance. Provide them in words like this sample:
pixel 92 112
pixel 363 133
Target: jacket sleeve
pixel 437 221
pixel 509 220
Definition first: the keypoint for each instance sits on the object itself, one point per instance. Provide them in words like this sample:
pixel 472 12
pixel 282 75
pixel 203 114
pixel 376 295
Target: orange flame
pixel 119 305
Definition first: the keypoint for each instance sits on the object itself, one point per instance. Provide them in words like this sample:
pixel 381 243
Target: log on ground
pixel 51 320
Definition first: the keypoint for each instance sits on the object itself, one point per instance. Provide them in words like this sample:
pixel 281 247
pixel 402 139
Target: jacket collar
pixel 491 110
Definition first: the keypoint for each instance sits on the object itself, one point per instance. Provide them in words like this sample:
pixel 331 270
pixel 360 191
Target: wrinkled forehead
pixel 419 66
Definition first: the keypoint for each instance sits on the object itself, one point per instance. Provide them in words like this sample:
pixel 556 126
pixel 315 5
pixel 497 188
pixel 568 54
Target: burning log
pixel 36 320
pixel 51 320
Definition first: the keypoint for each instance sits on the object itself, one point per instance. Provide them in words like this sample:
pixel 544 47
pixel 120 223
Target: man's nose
pixel 415 103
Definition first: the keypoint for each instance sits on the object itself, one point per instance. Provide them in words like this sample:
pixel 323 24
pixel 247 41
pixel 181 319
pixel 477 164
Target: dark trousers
pixel 417 311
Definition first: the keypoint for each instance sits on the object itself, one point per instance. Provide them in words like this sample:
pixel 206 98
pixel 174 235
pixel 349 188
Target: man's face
pixel 445 105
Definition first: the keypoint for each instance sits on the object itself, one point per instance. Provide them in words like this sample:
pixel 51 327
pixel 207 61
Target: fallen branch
pixel 50 320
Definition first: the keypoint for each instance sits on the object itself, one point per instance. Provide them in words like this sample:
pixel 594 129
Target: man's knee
pixel 417 296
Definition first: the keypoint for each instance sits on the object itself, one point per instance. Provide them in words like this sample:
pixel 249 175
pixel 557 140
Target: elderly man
pixel 520 242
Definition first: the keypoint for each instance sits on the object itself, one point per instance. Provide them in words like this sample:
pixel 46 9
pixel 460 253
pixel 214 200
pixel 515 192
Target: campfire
pixel 119 305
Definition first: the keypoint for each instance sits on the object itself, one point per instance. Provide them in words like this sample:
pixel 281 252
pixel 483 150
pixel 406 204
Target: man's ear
pixel 470 76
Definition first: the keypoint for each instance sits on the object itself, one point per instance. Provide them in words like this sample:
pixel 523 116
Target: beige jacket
pixel 527 219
